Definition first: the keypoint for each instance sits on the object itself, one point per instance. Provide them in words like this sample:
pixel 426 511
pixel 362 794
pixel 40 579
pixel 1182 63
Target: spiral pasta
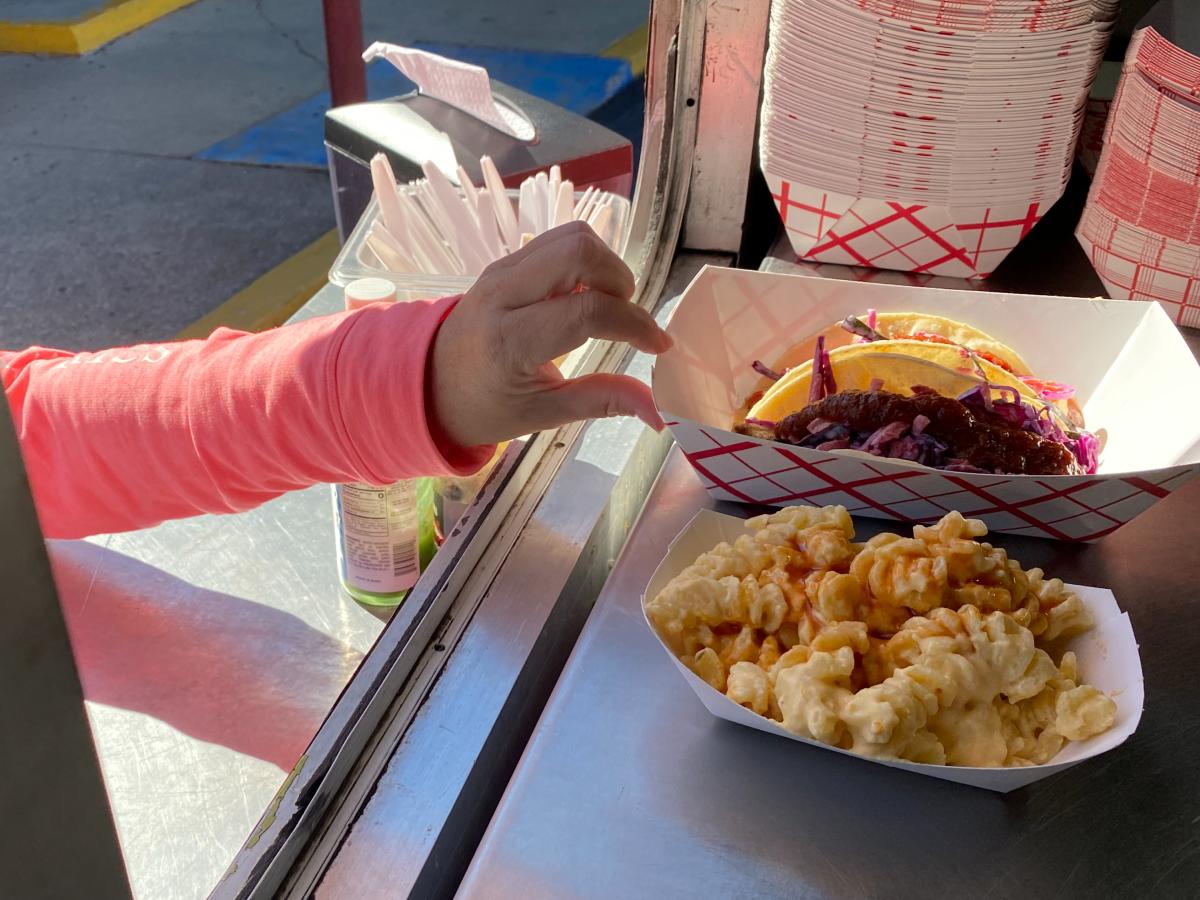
pixel 934 648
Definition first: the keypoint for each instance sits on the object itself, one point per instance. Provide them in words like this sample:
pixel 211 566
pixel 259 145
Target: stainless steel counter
pixel 210 650
pixel 629 788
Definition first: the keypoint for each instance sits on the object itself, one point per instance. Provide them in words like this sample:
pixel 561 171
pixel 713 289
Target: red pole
pixel 343 50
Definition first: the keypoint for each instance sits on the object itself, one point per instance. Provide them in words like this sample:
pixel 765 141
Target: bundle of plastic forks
pixel 432 226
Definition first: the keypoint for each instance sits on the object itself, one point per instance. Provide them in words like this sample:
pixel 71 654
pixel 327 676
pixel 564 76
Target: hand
pixel 492 375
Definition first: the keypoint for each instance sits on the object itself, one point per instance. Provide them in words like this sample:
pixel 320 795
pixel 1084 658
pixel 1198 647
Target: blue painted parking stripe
pixel 295 137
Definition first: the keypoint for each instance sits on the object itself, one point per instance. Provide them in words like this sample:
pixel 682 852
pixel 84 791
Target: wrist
pixel 440 393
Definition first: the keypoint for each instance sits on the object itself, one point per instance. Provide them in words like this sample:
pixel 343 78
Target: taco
pixel 923 327
pixel 959 403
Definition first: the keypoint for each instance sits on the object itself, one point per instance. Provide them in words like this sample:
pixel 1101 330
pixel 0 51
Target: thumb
pixel 601 396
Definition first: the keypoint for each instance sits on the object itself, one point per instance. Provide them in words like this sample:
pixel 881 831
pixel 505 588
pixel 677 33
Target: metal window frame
pixel 688 43
pixel 492 525
pixel 408 824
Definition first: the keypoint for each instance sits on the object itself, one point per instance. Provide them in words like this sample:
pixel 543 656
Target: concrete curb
pixel 83 35
pixel 271 299
pixel 633 49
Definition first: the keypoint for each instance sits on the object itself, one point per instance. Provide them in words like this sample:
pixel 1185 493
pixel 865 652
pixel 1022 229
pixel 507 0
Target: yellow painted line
pixel 633 48
pixel 271 299
pixel 115 19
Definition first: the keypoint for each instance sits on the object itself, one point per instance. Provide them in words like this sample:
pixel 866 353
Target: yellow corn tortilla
pixel 892 324
pixel 900 365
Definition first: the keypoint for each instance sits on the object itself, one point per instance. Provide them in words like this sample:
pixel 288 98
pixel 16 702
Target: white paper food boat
pixel 824 226
pixel 1107 655
pixel 1136 379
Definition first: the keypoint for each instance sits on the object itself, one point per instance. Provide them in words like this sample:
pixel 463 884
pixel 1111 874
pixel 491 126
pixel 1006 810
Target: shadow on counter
pixel 216 667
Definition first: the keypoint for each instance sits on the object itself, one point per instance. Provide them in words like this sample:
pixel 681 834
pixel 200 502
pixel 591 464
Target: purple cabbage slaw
pixel 822 384
pixel 897 440
pixel 766 371
pixel 908 440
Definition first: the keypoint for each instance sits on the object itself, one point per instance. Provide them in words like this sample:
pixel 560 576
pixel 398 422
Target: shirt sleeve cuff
pixel 382 375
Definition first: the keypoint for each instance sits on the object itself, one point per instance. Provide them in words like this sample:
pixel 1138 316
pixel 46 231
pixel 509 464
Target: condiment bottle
pixel 386 535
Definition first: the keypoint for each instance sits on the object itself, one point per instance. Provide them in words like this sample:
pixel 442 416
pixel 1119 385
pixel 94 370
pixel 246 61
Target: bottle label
pixel 378 539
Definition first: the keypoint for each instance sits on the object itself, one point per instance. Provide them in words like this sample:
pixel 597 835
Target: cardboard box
pixel 1136 380
pixel 1108 659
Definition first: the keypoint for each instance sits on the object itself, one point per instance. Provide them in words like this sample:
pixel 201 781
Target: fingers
pixel 546 237
pixel 597 397
pixel 555 327
pixel 558 261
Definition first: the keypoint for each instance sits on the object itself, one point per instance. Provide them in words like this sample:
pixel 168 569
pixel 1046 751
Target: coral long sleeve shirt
pixel 127 438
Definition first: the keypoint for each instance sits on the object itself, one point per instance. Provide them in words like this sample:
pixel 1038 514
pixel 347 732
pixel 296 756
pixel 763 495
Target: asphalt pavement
pixel 111 232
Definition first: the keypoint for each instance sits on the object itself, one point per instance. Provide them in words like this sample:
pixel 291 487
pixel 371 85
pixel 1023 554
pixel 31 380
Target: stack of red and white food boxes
pixel 1141 225
pixel 924 135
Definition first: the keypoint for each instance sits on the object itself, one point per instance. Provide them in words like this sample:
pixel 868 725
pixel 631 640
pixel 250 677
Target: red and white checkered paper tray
pixel 1141 224
pixel 782 259
pixel 1136 380
pixel 1108 659
pixel 925 137
pixel 1139 264
pixel 910 236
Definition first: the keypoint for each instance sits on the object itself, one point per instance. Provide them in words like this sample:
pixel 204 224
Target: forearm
pixel 124 439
